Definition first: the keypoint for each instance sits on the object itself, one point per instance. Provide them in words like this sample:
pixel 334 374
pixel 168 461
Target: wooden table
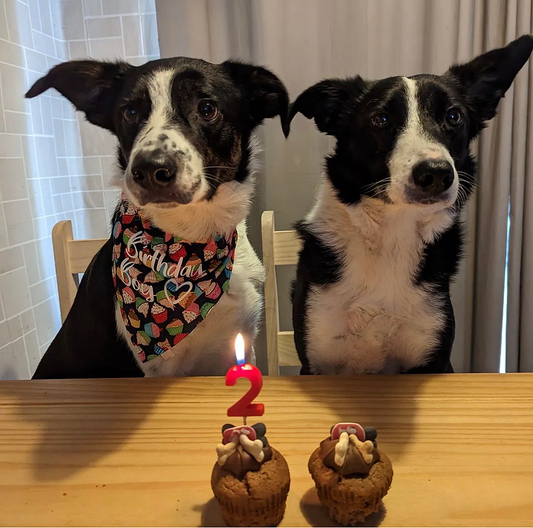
pixel 140 452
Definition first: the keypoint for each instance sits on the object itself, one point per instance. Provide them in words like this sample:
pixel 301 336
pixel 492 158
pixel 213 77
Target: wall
pixel 53 165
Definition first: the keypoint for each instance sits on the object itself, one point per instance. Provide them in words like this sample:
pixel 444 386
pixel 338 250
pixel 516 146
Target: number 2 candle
pixel 244 407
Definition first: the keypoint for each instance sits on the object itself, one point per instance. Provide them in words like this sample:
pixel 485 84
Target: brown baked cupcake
pixel 251 479
pixel 350 474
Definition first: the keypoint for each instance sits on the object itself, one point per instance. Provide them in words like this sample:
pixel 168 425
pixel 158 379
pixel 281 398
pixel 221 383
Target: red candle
pixel 244 407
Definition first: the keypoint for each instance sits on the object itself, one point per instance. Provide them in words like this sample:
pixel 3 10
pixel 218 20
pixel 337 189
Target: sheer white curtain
pixel 304 41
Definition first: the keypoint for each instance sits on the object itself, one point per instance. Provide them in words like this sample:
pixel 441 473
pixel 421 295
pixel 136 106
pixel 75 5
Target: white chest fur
pixel 374 319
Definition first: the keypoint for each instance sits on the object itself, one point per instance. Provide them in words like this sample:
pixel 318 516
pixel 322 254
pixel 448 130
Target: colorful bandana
pixel 165 285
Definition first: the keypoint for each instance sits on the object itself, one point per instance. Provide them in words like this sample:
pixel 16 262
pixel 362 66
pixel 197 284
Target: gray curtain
pixel 304 41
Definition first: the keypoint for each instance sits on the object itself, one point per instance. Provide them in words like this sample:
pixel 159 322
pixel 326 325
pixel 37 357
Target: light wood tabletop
pixel 140 452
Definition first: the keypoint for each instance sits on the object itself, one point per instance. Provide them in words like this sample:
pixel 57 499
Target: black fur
pixel 317 265
pixel 347 109
pixel 87 345
pixel 116 96
pixel 245 94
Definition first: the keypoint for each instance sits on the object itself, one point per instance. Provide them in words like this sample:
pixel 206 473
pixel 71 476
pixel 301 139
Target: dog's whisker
pixel 209 179
pixel 370 186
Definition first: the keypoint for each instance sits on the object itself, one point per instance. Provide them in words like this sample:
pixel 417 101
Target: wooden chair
pixel 71 257
pixel 280 248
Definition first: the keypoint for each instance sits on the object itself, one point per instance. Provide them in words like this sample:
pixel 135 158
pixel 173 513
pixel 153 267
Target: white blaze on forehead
pixel 413 146
pixel 160 90
pixel 159 120
pixel 161 134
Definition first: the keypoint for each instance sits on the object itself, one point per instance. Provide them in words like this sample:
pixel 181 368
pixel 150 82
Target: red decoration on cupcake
pixel 350 428
pixel 239 430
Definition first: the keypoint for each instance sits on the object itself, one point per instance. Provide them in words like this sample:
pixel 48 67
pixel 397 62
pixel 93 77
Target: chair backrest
pixel 280 248
pixel 71 257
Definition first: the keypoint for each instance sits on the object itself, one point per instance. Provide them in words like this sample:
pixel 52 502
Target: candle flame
pixel 239 349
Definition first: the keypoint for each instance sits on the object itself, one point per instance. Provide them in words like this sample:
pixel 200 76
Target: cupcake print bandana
pixel 165 285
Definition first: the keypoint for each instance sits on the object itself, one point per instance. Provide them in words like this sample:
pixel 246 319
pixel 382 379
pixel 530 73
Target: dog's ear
pixel 485 79
pixel 91 86
pixel 265 94
pixel 327 101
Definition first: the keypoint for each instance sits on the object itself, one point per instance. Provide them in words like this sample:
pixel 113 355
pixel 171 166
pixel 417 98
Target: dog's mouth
pixel 173 200
pixel 413 196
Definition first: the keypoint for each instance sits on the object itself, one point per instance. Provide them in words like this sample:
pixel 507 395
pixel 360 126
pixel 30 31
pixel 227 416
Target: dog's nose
pixel 153 174
pixel 433 177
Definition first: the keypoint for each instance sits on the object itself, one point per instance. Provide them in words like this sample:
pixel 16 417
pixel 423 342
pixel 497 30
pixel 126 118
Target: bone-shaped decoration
pixel 252 447
pixel 226 450
pixel 365 448
pixel 342 448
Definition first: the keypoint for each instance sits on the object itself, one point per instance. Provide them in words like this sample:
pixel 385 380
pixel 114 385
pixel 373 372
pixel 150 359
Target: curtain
pixel 304 41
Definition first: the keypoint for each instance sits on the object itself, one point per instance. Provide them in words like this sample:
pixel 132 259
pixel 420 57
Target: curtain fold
pixel 505 181
pixel 520 283
pixel 304 41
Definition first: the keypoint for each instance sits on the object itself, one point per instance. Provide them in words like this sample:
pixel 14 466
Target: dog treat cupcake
pixel 350 474
pixel 251 479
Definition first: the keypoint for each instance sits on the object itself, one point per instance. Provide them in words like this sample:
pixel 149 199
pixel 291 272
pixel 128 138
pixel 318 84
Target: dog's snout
pixel 153 174
pixel 433 177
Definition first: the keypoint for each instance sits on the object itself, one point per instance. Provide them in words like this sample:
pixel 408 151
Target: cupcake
pixel 205 309
pixel 162 248
pixel 128 296
pixel 143 339
pixel 128 233
pixel 206 286
pixel 159 313
pixel 156 242
pixel 210 250
pixel 142 306
pixel 185 299
pixel 152 330
pixel 161 347
pixel 215 292
pixel 194 264
pixel 152 277
pixel 191 312
pixel 128 214
pixel 134 319
pixel 175 327
pixel 177 251
pixel 350 474
pixel 117 249
pixel 251 479
pixel 166 299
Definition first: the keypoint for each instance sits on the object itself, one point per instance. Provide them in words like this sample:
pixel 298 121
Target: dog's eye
pixel 207 110
pixel 130 114
pixel 454 117
pixel 380 120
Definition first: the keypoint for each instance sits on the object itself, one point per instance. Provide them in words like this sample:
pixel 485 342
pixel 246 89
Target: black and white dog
pixel 384 239
pixel 186 157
